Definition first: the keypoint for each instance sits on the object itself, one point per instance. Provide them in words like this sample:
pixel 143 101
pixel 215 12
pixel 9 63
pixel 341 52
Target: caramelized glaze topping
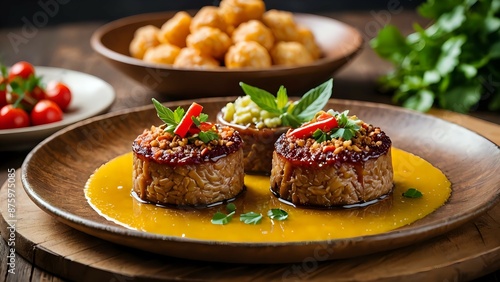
pixel 165 148
pixel 369 142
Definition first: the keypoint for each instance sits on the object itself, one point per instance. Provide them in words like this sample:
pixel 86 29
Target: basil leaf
pixel 251 218
pixel 313 101
pixel 164 113
pixel 290 120
pixel 412 193
pixel 282 98
pixel 262 98
pixel 178 115
pixel 277 214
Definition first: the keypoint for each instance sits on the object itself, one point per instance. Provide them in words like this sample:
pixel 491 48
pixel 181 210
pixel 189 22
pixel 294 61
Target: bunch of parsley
pixel 453 63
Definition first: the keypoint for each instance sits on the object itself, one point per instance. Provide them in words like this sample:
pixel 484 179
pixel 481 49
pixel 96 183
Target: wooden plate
pixel 55 172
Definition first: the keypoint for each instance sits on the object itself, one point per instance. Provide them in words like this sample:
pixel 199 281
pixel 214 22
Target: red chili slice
pixel 307 130
pixel 186 121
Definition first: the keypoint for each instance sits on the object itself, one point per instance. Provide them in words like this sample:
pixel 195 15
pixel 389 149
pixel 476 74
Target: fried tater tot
pixel 209 41
pixel 290 54
pixel 254 30
pixel 247 54
pixel 176 29
pixel 281 24
pixel 306 37
pixel 192 58
pixel 144 38
pixel 162 54
pixel 208 16
pixel 236 12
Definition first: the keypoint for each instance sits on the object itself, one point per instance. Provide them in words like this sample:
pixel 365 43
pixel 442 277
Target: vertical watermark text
pixel 11 219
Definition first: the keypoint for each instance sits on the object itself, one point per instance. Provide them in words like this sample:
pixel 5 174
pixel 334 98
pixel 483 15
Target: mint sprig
pixel 291 114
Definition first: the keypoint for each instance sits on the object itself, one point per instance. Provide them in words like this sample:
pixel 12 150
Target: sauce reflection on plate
pixel 108 191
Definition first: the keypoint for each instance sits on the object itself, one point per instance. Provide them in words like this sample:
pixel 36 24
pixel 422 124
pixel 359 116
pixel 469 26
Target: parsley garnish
pixel 412 193
pixel 277 214
pixel 169 117
pixel 291 114
pixel 231 207
pixel 247 218
pixel 222 218
pixel 207 136
pixel 251 218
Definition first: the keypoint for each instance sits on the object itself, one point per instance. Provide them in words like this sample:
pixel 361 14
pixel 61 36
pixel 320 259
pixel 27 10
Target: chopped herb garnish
pixel 173 120
pixel 412 193
pixel 199 119
pixel 320 136
pixel 277 214
pixel 222 218
pixel 291 114
pixel 251 218
pixel 207 136
pixel 231 207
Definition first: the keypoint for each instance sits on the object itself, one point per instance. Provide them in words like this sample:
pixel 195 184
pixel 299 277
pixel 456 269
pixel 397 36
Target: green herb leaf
pixel 456 52
pixel 221 218
pixel 290 120
pixel 231 207
pixel 313 101
pixel 164 113
pixel 320 136
pixel 277 214
pixel 251 218
pixel 262 98
pixel 412 193
pixel 390 44
pixel 449 57
pixel 207 136
pixel 199 119
pixel 281 98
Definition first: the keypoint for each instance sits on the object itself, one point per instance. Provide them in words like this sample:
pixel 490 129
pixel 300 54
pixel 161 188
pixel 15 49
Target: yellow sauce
pixel 108 191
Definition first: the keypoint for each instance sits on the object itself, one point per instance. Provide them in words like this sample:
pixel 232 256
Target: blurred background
pixel 78 10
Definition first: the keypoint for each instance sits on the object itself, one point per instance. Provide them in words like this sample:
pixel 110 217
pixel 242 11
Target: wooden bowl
pixel 55 172
pixel 338 41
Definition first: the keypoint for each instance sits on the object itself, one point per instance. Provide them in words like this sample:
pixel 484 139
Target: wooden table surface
pixel 68 46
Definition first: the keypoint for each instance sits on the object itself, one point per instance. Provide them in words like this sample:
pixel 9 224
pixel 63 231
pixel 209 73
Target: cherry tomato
pixel 59 93
pixel 22 70
pixel 38 93
pixel 11 117
pixel 45 111
pixel 27 103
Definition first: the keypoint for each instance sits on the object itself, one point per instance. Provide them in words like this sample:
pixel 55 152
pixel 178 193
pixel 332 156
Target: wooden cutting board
pixel 468 252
